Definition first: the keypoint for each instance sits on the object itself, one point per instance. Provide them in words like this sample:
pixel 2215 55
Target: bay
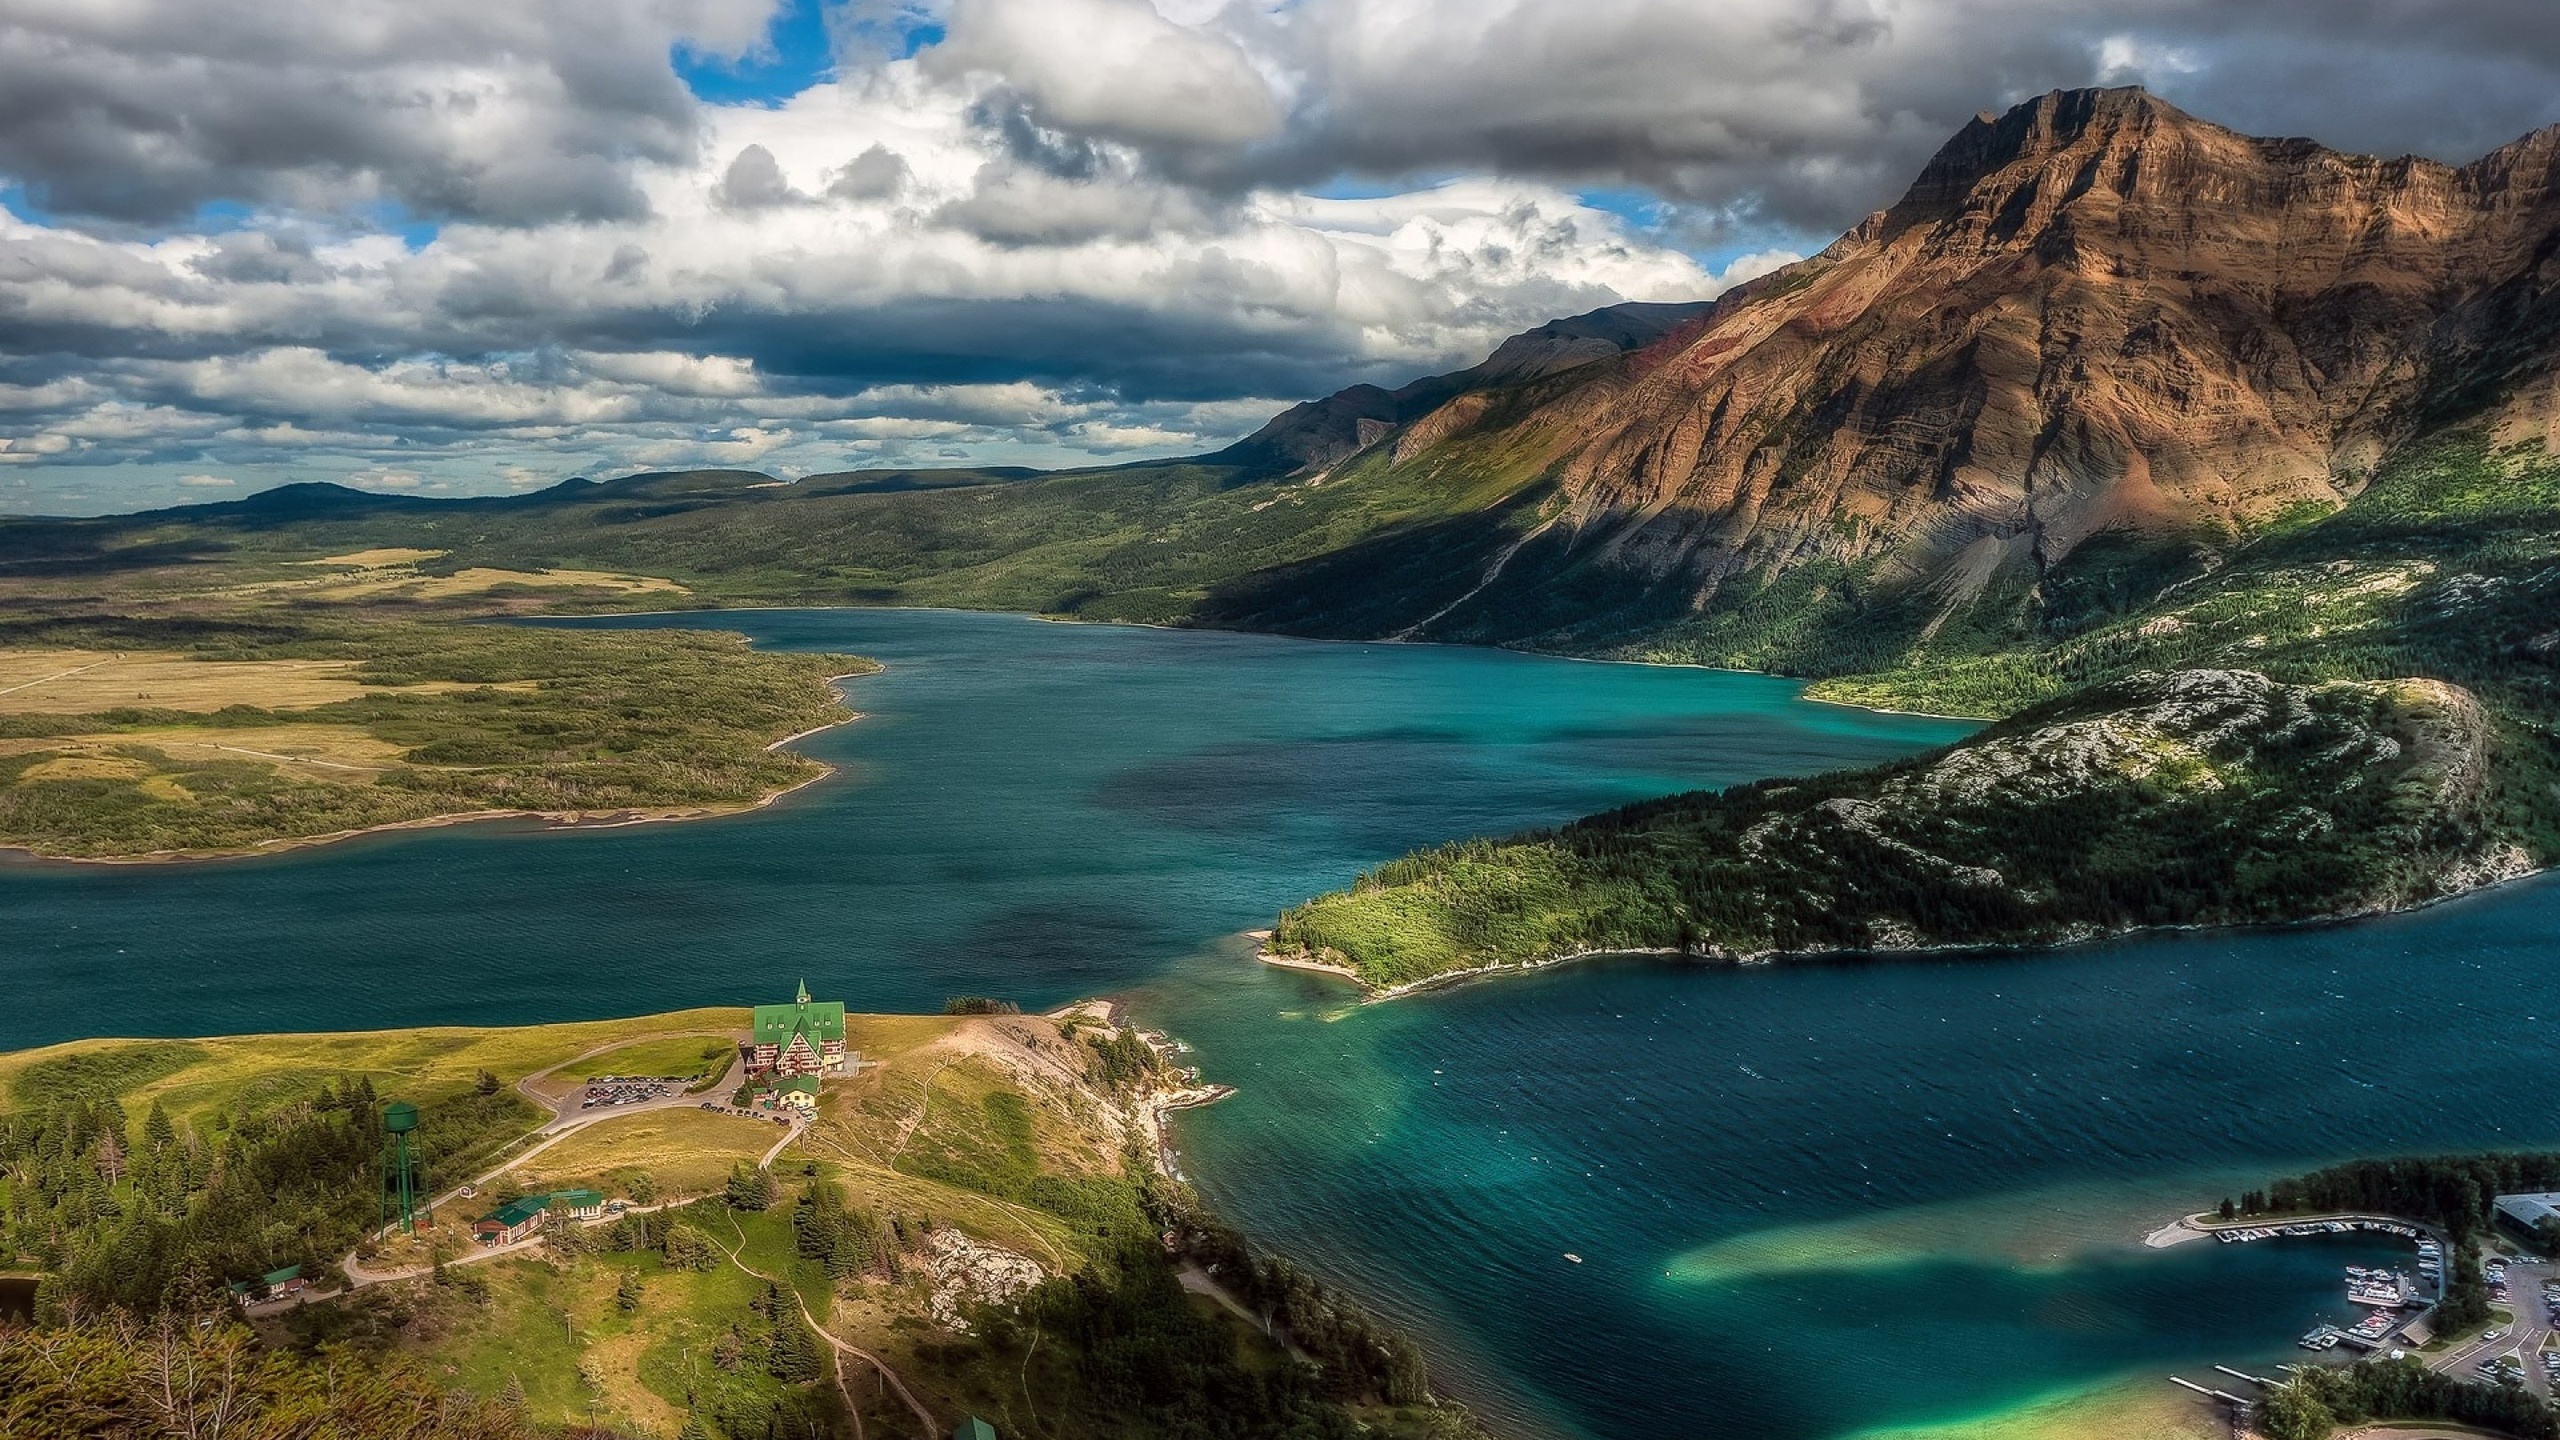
pixel 1810 1200
pixel 1032 810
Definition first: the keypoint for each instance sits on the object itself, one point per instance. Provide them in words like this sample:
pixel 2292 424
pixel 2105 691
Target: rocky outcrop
pixel 2191 797
pixel 2389 773
pixel 2092 314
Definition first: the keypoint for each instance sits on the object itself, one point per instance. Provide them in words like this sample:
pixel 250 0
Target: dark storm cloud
pixel 516 113
pixel 1802 113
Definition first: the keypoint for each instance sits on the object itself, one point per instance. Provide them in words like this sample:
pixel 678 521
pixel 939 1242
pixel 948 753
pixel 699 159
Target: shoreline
pixel 1044 618
pixel 1372 993
pixel 557 819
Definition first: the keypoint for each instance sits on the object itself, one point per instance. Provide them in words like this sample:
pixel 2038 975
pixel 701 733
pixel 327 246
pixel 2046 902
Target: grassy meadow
pixel 209 735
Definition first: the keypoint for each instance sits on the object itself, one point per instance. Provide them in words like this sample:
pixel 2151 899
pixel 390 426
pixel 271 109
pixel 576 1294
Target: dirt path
pixel 924 1103
pixel 923 1416
pixel 301 759
pixel 49 679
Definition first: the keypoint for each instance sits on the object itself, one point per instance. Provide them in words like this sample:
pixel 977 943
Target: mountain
pixel 2093 317
pixel 2111 399
pixel 2098 348
pixel 1315 436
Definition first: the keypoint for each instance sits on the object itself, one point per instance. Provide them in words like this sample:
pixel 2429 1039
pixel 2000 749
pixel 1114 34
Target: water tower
pixel 402 1186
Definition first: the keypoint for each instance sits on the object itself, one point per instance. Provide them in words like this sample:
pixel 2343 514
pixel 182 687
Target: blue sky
pixel 470 246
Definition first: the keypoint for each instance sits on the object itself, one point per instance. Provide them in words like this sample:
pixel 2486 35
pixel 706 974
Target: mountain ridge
pixel 2069 325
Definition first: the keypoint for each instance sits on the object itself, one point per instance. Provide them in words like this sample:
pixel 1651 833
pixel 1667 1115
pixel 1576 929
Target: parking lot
pixel 607 1091
pixel 2518 1352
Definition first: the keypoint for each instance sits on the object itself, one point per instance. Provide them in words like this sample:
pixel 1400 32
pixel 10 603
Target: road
pixel 566 1122
pixel 2524 1337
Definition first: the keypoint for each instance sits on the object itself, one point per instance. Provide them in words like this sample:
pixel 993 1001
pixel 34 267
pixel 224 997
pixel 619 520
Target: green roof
pixel 805 1084
pixel 516 1212
pixel 820 1019
pixel 973 1428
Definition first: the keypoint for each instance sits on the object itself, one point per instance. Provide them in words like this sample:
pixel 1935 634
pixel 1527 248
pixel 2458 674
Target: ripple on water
pixel 1883 1193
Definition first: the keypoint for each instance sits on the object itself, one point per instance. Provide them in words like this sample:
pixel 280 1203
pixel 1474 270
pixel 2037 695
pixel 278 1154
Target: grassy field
pixel 217 734
pixel 556 1332
pixel 683 1152
pixel 194 1079
pixel 667 1056
pixel 83 682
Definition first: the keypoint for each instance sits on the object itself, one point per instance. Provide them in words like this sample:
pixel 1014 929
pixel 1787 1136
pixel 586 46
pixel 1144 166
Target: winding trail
pixel 923 1104
pixel 923 1416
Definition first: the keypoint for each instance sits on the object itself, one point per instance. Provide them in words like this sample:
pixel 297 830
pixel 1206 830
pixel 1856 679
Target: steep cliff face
pixel 2093 315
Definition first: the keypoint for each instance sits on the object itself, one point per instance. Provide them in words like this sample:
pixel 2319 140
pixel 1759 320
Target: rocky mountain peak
pixel 2092 314
pixel 2033 129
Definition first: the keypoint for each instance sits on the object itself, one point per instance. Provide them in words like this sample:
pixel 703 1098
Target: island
pixel 711 1223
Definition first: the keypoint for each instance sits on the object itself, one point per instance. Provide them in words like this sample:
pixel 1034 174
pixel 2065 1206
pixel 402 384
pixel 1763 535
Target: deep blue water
pixel 1032 810
pixel 1810 1199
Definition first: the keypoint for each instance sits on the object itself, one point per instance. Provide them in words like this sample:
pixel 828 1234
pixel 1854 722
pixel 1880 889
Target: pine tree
pixel 749 1188
pixel 794 1356
pixel 626 1296
pixel 157 1130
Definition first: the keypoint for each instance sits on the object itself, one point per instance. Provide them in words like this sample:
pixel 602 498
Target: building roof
pixel 820 1020
pixel 516 1212
pixel 804 1084
pixel 973 1428
pixel 268 1281
pixel 2530 1210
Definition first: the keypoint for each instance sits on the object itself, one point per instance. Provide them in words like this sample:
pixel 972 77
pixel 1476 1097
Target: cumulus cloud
pixel 143 110
pixel 1040 231
pixel 1788 113
pixel 878 173
pixel 1116 69
pixel 754 181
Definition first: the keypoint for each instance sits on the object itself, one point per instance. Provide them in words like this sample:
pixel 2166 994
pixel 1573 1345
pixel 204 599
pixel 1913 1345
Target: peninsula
pixel 190 730
pixel 699 1223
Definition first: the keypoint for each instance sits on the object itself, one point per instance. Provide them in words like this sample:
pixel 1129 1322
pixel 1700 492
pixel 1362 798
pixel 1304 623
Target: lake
pixel 1811 1200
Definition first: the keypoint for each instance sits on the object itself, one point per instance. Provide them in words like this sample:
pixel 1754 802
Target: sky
pixel 480 246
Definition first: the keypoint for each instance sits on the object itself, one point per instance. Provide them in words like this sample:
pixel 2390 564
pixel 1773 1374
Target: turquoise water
pixel 1809 1199
pixel 1039 811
